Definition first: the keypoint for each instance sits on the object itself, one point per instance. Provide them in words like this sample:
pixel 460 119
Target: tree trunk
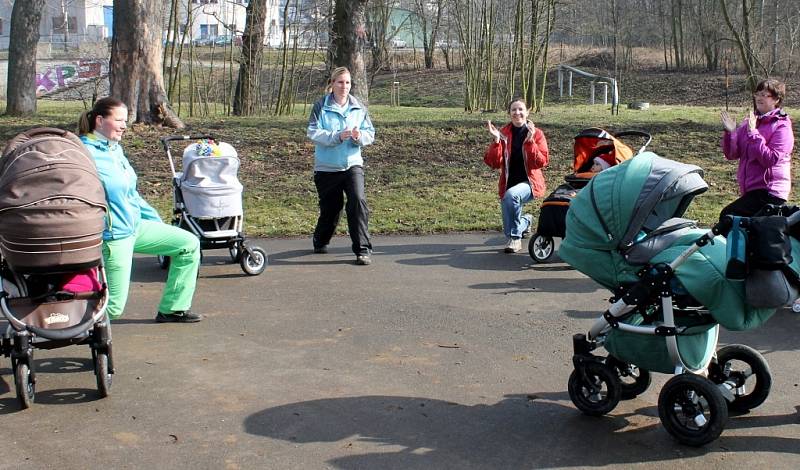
pixel 348 39
pixel 23 39
pixel 245 101
pixel 135 71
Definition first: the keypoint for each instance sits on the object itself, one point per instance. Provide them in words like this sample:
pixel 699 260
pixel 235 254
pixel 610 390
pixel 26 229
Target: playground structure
pixel 594 80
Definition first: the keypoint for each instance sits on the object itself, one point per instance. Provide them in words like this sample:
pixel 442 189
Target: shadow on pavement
pixel 531 431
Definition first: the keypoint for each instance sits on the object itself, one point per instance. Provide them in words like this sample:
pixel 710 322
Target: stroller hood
pixel 596 142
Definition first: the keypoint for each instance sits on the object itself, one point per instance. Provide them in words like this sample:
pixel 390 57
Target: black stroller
pixel 208 200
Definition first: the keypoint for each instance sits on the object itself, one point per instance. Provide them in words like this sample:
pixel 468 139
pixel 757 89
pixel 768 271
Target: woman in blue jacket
pixel 339 126
pixel 132 225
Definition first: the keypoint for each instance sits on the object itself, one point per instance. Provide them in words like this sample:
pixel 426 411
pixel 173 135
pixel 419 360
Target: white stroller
pixel 208 200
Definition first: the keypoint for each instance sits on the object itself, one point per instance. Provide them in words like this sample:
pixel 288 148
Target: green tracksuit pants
pixel 154 238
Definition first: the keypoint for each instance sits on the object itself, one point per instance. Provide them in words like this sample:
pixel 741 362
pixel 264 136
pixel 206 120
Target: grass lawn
pixel 425 173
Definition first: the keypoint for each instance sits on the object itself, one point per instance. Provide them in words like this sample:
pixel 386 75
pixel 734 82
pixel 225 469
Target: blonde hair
pixel 102 107
pixel 336 73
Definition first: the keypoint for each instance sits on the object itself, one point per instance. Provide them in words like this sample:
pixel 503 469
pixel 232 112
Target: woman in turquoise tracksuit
pixel 132 225
pixel 339 126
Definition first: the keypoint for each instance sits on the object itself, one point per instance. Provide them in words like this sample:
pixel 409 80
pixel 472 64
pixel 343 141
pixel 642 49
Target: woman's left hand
pixel 356 134
pixel 751 121
pixel 531 130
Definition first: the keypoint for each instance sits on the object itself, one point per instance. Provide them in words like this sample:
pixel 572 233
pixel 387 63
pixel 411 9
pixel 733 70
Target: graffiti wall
pixel 56 77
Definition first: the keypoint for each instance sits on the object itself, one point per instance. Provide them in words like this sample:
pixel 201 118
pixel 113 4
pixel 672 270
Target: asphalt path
pixel 444 353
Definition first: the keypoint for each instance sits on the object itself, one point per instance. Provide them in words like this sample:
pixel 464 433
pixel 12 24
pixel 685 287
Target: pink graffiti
pixel 62 75
pixel 43 80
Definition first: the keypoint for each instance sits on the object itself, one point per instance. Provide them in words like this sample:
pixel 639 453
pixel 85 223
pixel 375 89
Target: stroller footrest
pixel 221 234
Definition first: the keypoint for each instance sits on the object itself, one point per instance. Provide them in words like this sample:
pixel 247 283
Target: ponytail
pixel 86 122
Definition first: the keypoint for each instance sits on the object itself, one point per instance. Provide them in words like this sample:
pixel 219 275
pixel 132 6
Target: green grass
pixel 425 172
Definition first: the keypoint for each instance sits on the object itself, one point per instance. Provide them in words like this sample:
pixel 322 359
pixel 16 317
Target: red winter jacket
pixel 535 153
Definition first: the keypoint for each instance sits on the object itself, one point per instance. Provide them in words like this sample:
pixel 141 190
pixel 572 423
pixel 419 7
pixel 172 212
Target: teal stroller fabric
pixel 638 202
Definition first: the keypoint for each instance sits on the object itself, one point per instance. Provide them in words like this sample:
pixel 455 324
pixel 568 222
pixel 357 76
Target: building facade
pixel 65 22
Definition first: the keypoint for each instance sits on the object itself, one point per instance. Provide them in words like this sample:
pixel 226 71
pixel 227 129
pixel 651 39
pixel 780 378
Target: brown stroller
pixel 52 206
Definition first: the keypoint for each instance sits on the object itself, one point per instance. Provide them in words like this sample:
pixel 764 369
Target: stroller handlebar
pixel 171 138
pixel 636 133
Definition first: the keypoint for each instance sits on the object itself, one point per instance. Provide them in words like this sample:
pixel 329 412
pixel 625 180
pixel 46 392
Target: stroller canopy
pixel 596 142
pixel 209 182
pixel 636 196
pixel 632 200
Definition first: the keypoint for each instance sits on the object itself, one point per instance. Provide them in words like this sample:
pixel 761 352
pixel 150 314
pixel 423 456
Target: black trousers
pixel 752 202
pixel 332 187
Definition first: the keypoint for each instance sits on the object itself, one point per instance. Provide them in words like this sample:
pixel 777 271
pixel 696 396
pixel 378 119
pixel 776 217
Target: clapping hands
pixel 730 125
pixel 353 133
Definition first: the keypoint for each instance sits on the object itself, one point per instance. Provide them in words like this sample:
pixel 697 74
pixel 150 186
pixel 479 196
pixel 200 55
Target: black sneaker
pixel 363 260
pixel 186 316
pixel 321 249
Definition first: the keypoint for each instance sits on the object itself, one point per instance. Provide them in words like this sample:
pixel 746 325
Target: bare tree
pixel 429 17
pixel 135 72
pixel 23 40
pixel 245 101
pixel 347 43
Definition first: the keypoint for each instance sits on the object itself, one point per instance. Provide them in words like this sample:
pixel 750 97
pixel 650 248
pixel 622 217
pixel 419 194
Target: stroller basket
pixel 67 316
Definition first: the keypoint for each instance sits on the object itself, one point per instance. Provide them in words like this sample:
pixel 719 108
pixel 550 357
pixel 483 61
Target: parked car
pixel 398 43
pixel 203 41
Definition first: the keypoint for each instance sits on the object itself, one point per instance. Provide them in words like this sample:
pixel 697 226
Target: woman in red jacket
pixel 519 150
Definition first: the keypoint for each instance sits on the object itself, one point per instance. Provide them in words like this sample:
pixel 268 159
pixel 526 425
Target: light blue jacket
pixel 327 120
pixel 126 206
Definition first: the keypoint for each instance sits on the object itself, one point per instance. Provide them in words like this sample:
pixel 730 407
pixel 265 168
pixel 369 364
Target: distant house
pixel 65 21
pixel 222 21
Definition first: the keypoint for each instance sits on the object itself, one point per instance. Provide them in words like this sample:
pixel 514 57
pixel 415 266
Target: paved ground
pixel 442 354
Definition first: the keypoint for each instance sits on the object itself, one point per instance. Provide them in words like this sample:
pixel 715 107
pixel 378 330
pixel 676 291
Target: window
pixel 208 30
pixel 58 25
pixel 1 25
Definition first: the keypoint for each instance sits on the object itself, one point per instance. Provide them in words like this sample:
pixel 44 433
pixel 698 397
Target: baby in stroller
pixel 53 285
pixel 208 200
pixel 594 150
pixel 672 290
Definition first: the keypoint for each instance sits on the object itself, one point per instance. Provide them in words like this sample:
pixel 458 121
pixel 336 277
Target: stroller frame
pixel 19 339
pixel 693 405
pixel 216 233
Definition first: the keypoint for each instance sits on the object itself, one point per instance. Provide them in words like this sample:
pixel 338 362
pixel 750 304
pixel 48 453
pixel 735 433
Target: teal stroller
pixel 672 289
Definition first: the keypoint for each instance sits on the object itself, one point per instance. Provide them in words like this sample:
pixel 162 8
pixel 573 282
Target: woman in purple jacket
pixel 763 145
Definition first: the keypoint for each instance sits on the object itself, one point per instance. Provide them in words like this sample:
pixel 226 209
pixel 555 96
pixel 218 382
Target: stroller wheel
pixel 595 390
pixel 102 373
pixel 692 409
pixel 25 387
pixel 163 262
pixel 747 373
pixel 255 263
pixel 541 248
pixel 633 380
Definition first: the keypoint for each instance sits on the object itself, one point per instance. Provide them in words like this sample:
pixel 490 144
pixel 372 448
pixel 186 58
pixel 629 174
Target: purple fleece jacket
pixel 764 154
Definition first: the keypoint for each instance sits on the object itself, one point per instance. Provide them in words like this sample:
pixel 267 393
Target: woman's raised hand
pixel 493 130
pixel 531 131
pixel 751 121
pixel 727 121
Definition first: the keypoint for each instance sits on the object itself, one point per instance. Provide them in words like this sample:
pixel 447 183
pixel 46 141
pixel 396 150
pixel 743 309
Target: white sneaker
pixel 514 245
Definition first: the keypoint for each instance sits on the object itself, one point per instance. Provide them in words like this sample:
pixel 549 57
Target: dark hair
pixel 775 87
pixel 102 107
pixel 514 100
